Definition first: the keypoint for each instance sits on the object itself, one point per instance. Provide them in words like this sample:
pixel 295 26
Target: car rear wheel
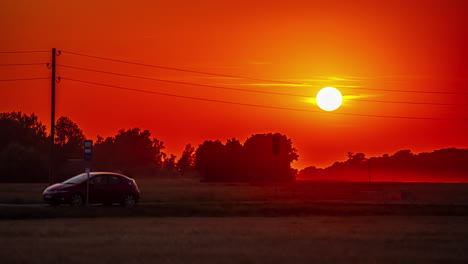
pixel 76 200
pixel 129 200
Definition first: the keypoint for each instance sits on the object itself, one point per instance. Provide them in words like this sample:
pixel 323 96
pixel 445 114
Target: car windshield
pixel 77 179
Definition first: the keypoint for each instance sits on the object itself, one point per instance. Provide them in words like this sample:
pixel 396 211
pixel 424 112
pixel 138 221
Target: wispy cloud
pixel 218 78
pixel 347 99
pixel 316 79
pixel 277 84
pixel 331 79
pixel 346 86
pixel 401 76
pixel 359 78
pixel 337 79
pixel 350 97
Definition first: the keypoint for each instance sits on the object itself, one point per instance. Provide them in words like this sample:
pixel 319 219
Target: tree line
pixel 24 148
pixel 403 165
pixel 262 157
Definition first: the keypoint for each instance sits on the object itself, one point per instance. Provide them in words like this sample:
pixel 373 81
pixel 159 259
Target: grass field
pixel 192 190
pixel 320 239
pixel 186 221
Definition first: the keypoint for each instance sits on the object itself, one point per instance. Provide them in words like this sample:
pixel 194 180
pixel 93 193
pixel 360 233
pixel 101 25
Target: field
pixel 318 239
pixel 186 221
pixel 192 190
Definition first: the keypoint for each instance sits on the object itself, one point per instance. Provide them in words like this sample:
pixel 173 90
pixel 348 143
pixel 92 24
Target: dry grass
pixel 192 190
pixel 20 193
pixel 322 239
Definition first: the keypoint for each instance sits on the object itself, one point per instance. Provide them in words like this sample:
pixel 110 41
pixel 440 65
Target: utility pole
pixel 52 123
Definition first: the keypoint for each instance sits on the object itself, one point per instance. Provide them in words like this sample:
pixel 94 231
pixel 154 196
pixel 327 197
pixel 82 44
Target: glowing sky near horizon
pixel 380 46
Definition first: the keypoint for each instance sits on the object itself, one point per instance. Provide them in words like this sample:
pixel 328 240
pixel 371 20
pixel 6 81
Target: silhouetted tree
pixel 128 150
pixel 69 138
pixel 169 162
pixel 234 162
pixel 309 172
pixel 263 164
pixel 19 163
pixel 256 160
pixel 23 148
pixel 24 129
pixel 439 164
pixel 187 160
pixel 403 154
pixel 210 160
pixel 356 160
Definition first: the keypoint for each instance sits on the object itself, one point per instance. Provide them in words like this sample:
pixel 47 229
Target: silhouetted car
pixel 104 187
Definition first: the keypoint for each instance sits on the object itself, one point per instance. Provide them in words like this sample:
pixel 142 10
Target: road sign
pixel 88 150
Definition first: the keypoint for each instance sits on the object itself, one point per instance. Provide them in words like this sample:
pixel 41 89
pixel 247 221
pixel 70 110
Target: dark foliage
pixel 19 163
pixel 259 159
pixel 68 149
pixel 129 151
pixel 263 157
pixel 23 129
pixel 23 146
pixel 439 163
pixel 187 160
pixel 169 162
pixel 68 138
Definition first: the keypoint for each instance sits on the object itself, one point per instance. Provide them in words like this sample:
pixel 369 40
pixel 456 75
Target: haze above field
pixel 408 46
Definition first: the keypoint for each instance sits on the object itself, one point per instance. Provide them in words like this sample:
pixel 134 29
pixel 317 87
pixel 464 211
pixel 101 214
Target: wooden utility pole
pixel 52 123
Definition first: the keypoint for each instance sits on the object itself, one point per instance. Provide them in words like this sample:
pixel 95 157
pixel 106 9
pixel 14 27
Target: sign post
pixel 87 186
pixel 88 157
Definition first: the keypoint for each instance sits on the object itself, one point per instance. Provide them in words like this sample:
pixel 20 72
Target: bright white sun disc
pixel 329 99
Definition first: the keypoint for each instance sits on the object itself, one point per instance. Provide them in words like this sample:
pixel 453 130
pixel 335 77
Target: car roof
pixel 96 173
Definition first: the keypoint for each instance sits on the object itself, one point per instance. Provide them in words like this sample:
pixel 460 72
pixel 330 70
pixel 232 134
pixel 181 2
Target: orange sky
pixel 421 45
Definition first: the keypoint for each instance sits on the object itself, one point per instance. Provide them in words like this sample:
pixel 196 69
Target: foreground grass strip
pixel 233 209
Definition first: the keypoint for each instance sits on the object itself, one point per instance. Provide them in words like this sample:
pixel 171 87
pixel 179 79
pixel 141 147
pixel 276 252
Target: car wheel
pixel 76 200
pixel 129 200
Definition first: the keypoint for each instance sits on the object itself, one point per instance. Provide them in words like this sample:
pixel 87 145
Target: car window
pixel 98 180
pixel 114 179
pixel 77 179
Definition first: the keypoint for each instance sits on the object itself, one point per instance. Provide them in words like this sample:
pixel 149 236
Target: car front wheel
pixel 76 200
pixel 129 200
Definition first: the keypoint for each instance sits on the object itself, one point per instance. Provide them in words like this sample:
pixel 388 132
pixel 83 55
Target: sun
pixel 329 99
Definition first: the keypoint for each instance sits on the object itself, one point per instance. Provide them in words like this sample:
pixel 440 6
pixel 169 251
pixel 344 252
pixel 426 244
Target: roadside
pixel 230 209
pixel 316 239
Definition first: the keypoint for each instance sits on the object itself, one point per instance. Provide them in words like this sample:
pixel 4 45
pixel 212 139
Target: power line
pixel 23 64
pixel 405 91
pixel 260 106
pixel 245 90
pixel 23 79
pixel 185 83
pixel 24 51
pixel 249 78
pixel 182 70
pixel 406 102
